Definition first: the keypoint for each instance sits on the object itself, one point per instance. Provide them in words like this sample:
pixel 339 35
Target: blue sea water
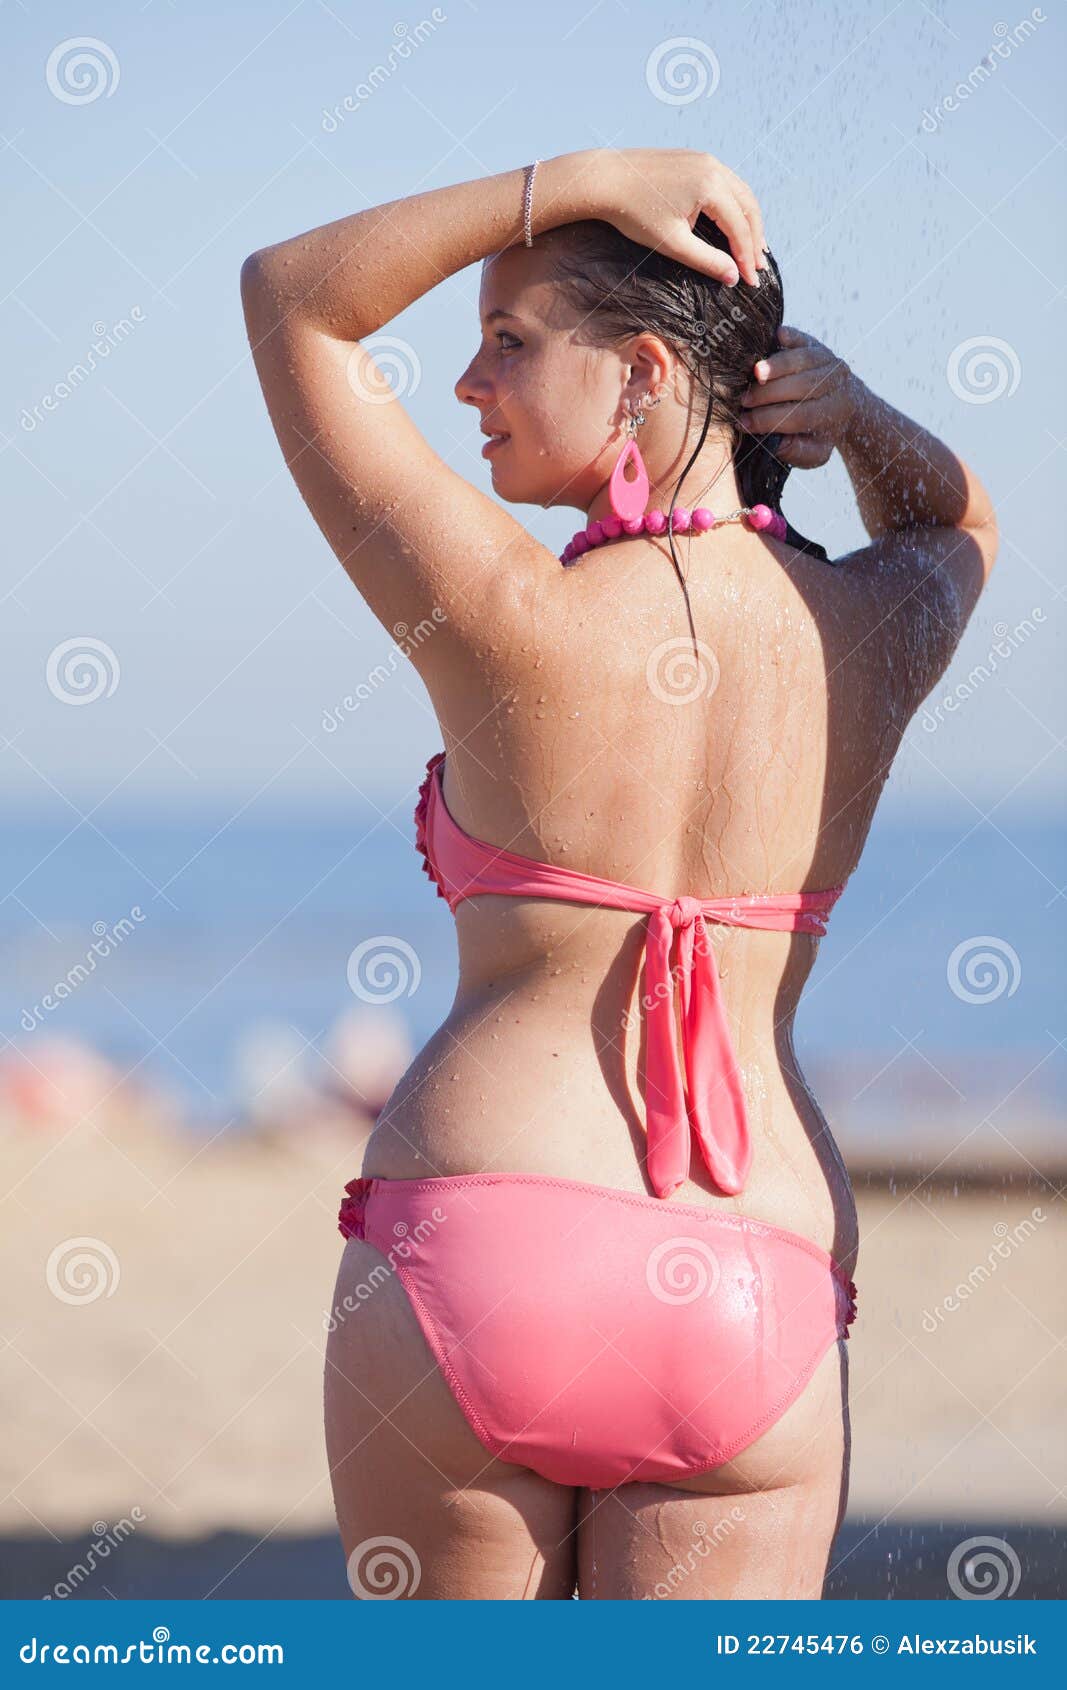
pixel 254 920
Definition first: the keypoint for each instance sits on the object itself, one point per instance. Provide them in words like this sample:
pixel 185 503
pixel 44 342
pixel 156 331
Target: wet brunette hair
pixel 718 333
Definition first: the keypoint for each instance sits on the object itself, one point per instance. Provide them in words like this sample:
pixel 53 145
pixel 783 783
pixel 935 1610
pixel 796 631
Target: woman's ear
pixel 651 368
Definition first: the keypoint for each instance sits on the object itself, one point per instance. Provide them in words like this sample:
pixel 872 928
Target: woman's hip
pixel 602 1337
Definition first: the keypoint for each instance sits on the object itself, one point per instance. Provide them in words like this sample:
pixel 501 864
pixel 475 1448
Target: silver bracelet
pixel 527 201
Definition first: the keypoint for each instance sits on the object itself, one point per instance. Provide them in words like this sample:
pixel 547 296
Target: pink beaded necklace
pixel 600 532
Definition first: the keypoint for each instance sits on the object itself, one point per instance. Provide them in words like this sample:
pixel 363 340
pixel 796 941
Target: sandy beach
pixel 164 1325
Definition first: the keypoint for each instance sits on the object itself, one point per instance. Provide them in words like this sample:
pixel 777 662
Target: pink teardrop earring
pixel 628 499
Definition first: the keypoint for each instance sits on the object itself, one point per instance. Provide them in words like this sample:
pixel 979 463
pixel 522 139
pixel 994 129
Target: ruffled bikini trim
pixel 851 1294
pixel 350 1214
pixel 421 809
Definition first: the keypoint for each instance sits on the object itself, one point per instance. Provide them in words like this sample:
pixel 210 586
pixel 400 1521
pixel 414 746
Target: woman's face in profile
pixel 554 401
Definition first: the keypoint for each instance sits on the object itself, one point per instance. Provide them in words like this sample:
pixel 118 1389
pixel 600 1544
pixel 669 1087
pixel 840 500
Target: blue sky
pixel 919 231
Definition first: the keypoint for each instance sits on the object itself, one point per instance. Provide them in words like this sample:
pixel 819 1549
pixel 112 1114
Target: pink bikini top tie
pixel 712 1102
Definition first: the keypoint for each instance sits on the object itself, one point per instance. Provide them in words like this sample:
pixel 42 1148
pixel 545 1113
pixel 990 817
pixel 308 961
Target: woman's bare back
pixel 587 732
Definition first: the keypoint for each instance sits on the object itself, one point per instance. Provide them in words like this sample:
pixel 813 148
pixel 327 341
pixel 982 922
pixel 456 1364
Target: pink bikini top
pixel 464 867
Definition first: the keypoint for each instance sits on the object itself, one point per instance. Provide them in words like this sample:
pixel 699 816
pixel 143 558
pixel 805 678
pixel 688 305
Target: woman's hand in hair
pixel 804 394
pixel 654 195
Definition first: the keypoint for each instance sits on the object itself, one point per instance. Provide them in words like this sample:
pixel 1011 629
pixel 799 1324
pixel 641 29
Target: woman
pixel 590 1323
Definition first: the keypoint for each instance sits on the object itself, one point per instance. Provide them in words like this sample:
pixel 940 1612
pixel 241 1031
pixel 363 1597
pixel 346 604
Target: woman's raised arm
pixel 931 522
pixel 414 536
pixel 932 526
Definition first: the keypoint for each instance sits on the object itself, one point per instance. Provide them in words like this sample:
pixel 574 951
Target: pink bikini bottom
pixel 598 1337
